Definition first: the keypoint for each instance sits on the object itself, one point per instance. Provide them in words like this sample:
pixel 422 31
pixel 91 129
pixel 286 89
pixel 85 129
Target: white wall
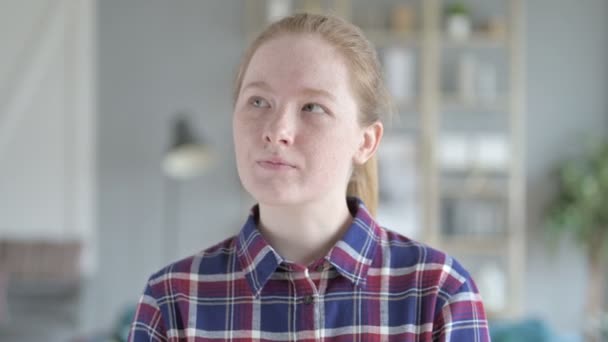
pixel 157 58
pixel 47 122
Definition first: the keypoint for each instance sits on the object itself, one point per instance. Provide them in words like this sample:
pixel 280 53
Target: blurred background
pixel 116 153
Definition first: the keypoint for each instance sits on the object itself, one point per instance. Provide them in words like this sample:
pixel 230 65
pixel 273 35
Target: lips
pixel 275 164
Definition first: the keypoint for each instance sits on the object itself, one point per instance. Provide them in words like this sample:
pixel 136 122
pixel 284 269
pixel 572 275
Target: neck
pixel 304 233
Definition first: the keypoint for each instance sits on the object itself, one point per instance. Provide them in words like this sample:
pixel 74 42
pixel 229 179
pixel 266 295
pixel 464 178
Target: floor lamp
pixel 188 157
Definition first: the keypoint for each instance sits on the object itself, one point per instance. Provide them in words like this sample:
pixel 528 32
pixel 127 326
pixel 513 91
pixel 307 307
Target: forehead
pixel 304 60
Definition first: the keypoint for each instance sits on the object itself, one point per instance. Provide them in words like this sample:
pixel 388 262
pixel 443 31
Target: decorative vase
pixel 459 26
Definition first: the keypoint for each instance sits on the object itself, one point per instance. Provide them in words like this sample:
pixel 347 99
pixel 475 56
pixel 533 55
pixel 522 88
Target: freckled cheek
pixel 247 130
pixel 241 138
pixel 332 154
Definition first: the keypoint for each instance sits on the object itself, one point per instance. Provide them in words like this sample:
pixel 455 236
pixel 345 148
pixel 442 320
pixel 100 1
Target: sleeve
pixel 148 324
pixel 462 317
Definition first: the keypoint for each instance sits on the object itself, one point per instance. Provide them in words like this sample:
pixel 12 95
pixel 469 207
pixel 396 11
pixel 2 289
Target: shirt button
pixel 308 299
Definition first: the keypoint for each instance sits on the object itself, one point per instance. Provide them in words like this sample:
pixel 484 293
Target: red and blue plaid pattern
pixel 374 285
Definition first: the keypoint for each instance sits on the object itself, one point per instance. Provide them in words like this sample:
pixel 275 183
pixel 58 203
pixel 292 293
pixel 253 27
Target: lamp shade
pixel 188 157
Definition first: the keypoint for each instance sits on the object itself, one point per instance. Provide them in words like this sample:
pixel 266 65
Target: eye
pixel 314 108
pixel 259 102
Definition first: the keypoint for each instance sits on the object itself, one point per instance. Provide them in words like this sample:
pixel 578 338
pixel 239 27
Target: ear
pixel 371 136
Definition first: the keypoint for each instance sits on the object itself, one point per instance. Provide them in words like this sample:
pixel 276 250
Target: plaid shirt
pixel 374 285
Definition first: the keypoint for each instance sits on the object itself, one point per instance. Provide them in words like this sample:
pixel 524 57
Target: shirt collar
pixel 351 256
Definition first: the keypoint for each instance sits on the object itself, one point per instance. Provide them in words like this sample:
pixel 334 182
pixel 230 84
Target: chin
pixel 273 196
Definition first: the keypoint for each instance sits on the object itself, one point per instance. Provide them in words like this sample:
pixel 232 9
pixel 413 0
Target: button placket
pixel 307 303
pixel 308 299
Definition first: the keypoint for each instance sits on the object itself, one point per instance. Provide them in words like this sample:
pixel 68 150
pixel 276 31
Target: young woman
pixel 310 263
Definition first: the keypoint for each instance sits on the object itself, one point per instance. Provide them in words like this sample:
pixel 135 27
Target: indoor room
pixel 119 125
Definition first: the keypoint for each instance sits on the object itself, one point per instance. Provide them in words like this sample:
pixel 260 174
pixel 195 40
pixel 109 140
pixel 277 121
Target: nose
pixel 280 129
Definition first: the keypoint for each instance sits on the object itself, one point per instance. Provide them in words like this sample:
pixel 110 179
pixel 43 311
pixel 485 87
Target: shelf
pixel 475 175
pixel 492 245
pixel 477 40
pixel 386 38
pixel 452 102
pixel 472 191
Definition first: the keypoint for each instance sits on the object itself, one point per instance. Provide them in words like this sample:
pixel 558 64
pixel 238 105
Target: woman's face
pixel 296 131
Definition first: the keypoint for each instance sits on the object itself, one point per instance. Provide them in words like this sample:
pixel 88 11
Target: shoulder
pixel 166 289
pixel 214 260
pixel 402 255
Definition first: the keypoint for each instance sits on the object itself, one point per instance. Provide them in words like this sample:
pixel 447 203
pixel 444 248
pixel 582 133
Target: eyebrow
pixel 257 84
pixel 319 92
pixel 308 91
